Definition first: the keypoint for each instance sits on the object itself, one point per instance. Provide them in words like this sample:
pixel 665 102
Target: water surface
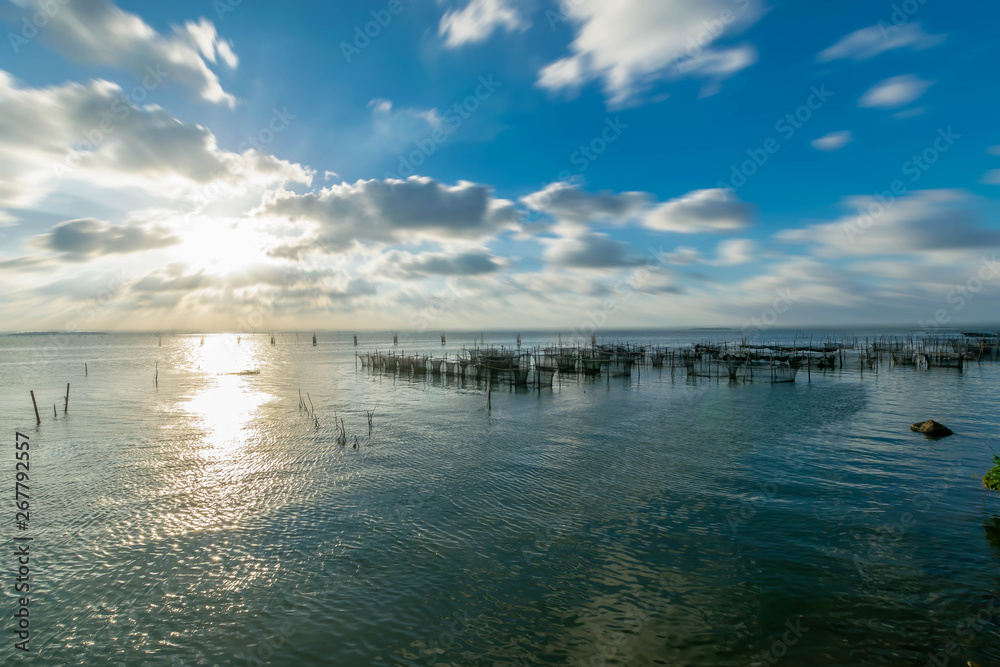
pixel 205 519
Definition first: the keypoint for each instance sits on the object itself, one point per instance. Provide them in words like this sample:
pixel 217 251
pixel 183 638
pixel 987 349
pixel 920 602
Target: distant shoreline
pixel 59 333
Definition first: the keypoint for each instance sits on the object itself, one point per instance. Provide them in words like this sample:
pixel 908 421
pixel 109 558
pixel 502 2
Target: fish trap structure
pixel 491 366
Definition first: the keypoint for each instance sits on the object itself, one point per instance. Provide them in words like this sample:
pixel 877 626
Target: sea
pixel 216 499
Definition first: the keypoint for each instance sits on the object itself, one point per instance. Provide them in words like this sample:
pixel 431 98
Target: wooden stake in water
pixel 86 372
pixel 37 418
pixel 66 407
pixel 54 412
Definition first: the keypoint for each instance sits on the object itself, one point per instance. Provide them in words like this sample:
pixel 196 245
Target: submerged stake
pixel 37 418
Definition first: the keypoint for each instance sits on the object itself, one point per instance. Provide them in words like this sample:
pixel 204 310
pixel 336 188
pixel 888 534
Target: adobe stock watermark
pixel 751 504
pixel 584 156
pixel 122 107
pixel 786 126
pixel 259 140
pixel 223 7
pixel 623 288
pixel 789 638
pixel 587 153
pixel 562 16
pixel 890 534
pixel 439 304
pixel 454 117
pixel 915 168
pixel 900 16
pixel 363 36
pixel 770 315
pixel 962 294
pixel 82 318
pixel 710 31
pixel 967 628
pixel 47 10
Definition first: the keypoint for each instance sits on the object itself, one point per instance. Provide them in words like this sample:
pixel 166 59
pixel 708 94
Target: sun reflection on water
pixel 225 408
pixel 223 353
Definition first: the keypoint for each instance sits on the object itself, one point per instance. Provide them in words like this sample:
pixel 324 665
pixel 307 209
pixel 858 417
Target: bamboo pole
pixel 34 403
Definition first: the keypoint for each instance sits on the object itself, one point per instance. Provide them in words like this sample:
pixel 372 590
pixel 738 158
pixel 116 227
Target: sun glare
pixel 220 247
pixel 228 402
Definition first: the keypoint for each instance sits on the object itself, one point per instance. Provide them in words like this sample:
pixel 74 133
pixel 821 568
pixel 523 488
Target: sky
pixel 580 165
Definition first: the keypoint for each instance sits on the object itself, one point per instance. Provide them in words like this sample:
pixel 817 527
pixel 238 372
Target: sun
pixel 222 246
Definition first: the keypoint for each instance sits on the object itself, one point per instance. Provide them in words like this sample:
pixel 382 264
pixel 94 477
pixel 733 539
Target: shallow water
pixel 650 520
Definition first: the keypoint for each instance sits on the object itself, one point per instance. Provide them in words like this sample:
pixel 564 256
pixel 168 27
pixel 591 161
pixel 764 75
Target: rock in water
pixel 931 428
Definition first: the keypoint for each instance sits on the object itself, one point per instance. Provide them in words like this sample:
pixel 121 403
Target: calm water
pixel 650 520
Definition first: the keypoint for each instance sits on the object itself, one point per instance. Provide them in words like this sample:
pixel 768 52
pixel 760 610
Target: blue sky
pixel 509 163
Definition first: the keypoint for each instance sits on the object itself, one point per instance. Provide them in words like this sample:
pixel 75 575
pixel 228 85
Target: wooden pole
pixel 37 418
pixel 55 413
pixel 86 372
pixel 66 407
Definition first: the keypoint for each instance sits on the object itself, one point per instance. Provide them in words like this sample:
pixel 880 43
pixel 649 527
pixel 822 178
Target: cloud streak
pixel 98 32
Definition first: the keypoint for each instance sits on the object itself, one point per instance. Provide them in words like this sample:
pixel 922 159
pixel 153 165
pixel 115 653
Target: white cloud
pixel 89 133
pixel 735 251
pixel 98 32
pixel 390 211
pixel 712 210
pixel 870 42
pixel 394 128
pixel 628 44
pixel 718 65
pixel 684 256
pixel 910 113
pixel 569 205
pixel 82 239
pixel 924 221
pixel 992 177
pixel 478 20
pixel 589 251
pixel 409 266
pixel 833 141
pixel 895 92
pixel 730 252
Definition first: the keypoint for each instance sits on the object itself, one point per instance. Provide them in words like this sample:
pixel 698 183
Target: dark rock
pixel 931 428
